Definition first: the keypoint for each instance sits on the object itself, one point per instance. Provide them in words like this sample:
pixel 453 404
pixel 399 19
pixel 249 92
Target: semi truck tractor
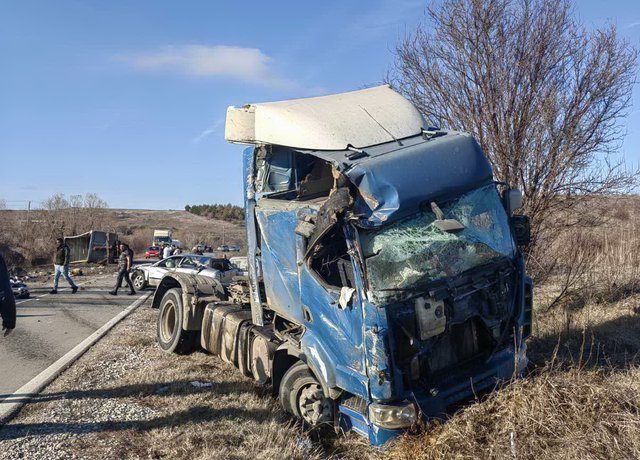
pixel 386 280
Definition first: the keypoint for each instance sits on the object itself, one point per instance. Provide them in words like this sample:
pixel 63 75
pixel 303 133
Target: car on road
pixel 20 290
pixel 145 275
pixel 153 251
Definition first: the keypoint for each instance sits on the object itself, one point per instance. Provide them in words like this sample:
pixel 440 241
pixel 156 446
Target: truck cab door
pixel 333 315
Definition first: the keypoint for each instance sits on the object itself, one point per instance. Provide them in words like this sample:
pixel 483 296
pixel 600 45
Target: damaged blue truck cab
pixel 394 314
pixel 385 280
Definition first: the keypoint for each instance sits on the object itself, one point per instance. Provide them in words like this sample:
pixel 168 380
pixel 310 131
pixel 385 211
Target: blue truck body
pixel 351 349
pixel 385 280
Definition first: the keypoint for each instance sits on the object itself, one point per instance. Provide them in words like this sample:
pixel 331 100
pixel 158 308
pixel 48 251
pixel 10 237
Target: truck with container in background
pixel 385 277
pixel 162 237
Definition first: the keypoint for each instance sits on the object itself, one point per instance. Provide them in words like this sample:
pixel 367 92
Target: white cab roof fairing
pixel 359 119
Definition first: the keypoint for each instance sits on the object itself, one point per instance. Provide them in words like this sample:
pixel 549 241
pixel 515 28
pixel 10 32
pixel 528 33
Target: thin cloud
pixel 247 64
pixel 632 25
pixel 211 130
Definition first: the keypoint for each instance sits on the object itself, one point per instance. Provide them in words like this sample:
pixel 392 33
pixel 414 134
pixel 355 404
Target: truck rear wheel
pixel 301 395
pixel 171 337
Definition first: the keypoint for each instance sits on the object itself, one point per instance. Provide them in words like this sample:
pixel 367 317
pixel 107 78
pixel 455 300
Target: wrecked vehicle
pixel 20 289
pixel 385 281
pixel 145 275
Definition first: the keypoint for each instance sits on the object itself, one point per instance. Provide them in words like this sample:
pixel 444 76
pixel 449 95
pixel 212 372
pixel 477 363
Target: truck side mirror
pixel 512 200
pixel 521 230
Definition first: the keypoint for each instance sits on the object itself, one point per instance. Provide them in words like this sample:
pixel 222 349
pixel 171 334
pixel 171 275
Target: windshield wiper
pixel 446 225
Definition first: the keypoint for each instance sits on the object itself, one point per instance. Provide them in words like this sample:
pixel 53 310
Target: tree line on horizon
pixel 228 212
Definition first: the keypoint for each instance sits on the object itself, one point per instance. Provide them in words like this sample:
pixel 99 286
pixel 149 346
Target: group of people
pixel 170 250
pixel 61 267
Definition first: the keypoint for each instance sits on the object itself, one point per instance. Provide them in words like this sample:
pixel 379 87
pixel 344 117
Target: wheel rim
pixel 168 322
pixel 313 406
pixel 138 281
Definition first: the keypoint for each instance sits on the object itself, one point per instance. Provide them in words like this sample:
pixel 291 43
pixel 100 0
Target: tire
pixel 301 395
pixel 138 280
pixel 171 337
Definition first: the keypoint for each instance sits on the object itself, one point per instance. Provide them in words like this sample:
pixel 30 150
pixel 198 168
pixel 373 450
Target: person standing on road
pixel 124 265
pixel 166 252
pixel 61 266
pixel 7 301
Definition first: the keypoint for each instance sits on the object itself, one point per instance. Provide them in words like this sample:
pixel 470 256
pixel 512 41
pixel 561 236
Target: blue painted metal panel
pixel 278 258
pixel 394 179
pixel 401 180
pixel 333 339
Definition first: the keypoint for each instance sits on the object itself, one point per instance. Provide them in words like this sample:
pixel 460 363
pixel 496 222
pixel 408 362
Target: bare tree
pixel 543 96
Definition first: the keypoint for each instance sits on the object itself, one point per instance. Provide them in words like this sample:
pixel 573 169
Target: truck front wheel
pixel 301 395
pixel 171 337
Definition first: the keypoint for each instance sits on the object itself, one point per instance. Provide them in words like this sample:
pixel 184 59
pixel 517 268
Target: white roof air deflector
pixel 358 119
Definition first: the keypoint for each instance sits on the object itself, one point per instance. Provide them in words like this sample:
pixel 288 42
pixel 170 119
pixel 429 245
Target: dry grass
pixel 578 414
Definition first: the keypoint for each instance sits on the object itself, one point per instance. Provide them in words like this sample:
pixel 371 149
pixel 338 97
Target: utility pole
pixel 29 219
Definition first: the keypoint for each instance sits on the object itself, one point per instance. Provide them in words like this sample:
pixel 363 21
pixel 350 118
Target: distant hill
pixel 27 240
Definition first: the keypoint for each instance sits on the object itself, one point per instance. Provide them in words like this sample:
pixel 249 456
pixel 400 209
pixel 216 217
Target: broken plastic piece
pixel 346 294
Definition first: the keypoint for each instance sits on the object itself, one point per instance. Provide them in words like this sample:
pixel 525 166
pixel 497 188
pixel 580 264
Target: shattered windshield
pixel 414 250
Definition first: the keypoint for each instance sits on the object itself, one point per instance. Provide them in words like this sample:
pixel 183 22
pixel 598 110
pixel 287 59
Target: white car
pixel 145 275
pixel 240 263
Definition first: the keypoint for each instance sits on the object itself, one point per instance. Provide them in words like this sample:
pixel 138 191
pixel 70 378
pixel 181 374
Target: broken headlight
pixel 401 415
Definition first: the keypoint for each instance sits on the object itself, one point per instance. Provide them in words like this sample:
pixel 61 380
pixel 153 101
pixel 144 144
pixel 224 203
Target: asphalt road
pixel 48 326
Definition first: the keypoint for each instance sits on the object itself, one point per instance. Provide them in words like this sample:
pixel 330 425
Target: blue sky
pixel 127 99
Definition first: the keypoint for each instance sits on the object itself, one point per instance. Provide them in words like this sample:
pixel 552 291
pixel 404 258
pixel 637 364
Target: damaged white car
pixel 146 275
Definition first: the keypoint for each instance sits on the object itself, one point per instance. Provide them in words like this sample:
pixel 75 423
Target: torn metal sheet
pixel 328 215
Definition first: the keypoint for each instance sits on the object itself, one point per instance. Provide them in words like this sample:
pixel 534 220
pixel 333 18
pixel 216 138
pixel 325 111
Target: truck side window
pixel 332 262
pixel 279 171
pixel 290 175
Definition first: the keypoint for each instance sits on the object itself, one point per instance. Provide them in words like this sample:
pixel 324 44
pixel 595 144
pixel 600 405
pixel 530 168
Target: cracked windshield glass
pixel 414 251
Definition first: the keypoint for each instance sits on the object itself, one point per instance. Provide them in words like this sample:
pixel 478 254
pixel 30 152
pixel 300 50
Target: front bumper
pixel 435 402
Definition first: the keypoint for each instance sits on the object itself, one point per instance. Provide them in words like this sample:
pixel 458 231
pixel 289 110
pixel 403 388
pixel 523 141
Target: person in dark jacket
pixel 61 266
pixel 7 301
pixel 124 265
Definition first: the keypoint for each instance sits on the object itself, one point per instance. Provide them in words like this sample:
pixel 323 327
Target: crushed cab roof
pixel 336 122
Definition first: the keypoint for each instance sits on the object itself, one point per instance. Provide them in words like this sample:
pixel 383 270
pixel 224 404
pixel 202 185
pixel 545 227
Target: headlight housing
pixel 393 416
